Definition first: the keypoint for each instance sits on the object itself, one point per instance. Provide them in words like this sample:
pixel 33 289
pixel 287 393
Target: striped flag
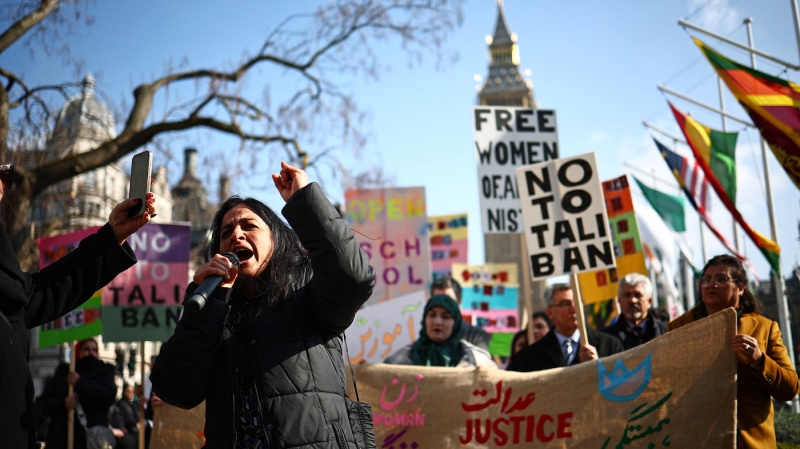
pixel 692 180
pixel 680 167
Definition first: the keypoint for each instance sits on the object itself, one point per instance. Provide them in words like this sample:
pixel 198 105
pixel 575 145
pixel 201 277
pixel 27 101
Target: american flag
pixel 690 175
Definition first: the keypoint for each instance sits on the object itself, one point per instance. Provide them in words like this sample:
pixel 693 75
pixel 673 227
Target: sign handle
pixel 70 392
pixel 526 312
pixel 141 417
pixel 576 289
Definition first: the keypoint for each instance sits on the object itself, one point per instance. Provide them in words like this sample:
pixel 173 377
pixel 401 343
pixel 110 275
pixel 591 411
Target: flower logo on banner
pixel 622 384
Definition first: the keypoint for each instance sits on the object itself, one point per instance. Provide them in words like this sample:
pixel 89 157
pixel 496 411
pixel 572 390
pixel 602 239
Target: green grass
pixel 787 429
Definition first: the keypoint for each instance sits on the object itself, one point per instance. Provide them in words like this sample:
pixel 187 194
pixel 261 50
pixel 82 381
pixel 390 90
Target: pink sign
pixel 161 274
pixel 392 228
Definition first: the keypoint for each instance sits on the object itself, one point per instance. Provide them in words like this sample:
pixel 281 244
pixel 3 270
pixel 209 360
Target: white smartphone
pixel 141 168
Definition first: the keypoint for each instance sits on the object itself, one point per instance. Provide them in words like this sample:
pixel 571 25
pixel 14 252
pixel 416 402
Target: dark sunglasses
pixel 7 172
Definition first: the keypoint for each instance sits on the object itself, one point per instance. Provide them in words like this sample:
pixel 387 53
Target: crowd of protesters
pixel 265 352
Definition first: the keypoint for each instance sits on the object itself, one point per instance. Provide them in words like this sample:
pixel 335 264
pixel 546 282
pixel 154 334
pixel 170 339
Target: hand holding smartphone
pixel 141 170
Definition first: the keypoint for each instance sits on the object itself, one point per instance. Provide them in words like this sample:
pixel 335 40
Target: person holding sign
pixel 561 347
pixel 764 370
pixel 448 286
pixel 265 351
pixel 440 341
pixel 95 391
pixel 28 300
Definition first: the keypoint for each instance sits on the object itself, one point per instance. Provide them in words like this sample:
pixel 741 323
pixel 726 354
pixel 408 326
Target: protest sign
pixel 83 322
pixel 678 390
pixel 143 302
pixel 489 301
pixel 380 330
pixel 175 427
pixel 391 226
pixel 448 237
pixel 602 285
pixel 506 138
pixel 566 227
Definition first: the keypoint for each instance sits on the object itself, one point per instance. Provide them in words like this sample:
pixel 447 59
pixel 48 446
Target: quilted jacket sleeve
pixel 182 373
pixel 343 278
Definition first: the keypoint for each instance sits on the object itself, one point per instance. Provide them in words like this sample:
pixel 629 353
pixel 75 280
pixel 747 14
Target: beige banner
pixel 677 391
pixel 176 428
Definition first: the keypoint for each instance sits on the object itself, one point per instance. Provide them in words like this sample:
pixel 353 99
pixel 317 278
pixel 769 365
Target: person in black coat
pixel 561 346
pixel 636 326
pixel 28 300
pixel 265 352
pixel 94 388
pixel 473 334
pixel 125 419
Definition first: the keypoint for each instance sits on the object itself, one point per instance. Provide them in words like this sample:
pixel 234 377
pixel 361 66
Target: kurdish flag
pixel 772 103
pixel 715 149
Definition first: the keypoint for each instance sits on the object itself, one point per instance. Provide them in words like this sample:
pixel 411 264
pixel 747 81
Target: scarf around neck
pixel 426 352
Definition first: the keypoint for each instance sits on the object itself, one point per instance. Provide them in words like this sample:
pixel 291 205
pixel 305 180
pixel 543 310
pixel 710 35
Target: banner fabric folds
pixel 771 102
pixel 678 390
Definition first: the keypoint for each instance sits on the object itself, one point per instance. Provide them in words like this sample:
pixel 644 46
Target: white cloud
pixel 718 16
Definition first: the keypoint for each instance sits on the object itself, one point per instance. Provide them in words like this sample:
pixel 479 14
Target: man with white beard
pixel 636 326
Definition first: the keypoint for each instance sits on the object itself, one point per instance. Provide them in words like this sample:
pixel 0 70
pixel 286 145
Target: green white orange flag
pixel 772 103
pixel 716 148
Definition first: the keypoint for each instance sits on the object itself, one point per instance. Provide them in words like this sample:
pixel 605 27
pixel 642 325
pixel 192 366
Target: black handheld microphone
pixel 200 296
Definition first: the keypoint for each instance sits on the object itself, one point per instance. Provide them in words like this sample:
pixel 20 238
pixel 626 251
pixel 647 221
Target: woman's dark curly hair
pixel 747 302
pixel 288 269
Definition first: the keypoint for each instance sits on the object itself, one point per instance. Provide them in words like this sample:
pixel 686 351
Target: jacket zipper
pixel 231 361
pixel 256 382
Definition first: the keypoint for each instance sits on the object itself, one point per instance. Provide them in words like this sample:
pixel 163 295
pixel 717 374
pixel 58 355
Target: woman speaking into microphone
pixel 265 351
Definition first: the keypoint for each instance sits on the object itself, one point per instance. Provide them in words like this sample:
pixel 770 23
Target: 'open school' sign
pixel 507 138
pixel 566 226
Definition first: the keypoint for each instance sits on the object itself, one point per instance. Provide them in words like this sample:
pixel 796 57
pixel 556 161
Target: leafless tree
pixel 316 49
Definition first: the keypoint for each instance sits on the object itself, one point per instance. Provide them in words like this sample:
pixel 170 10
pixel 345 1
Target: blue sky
pixel 596 63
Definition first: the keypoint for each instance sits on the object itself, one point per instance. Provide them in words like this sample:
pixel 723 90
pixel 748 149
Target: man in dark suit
pixel 636 326
pixel 561 346
pixel 473 334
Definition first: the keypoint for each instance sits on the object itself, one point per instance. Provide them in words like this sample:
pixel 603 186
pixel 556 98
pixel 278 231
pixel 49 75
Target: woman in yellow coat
pixel 764 369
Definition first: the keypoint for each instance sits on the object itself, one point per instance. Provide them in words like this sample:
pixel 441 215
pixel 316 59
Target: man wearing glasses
pixel 561 346
pixel 635 326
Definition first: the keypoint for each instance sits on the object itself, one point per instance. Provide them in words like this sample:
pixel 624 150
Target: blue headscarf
pixel 426 352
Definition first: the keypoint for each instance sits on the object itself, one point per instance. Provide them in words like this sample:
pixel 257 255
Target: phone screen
pixel 141 167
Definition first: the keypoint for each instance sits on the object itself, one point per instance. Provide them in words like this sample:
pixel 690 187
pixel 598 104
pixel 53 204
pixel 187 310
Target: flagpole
pixel 796 18
pixel 777 276
pixel 725 129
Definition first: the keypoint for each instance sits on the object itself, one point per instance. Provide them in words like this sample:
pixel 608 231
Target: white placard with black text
pixel 506 138
pixel 564 215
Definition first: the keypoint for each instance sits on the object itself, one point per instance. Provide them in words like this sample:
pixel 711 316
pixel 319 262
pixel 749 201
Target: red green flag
pixel 771 102
pixel 717 149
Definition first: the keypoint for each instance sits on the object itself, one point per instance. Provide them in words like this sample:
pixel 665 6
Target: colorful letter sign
pixel 391 226
pixel 83 322
pixel 566 226
pixel 506 138
pixel 143 303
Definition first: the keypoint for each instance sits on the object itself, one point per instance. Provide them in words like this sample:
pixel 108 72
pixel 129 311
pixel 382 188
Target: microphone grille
pixel 233 258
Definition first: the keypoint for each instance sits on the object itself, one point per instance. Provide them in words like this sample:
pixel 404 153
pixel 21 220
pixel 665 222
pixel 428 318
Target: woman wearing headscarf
pixel 764 370
pixel 439 343
pixel 28 300
pixel 95 390
pixel 265 352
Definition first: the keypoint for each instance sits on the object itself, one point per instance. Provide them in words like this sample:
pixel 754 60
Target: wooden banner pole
pixel 141 416
pixel 70 392
pixel 526 314
pixel 576 289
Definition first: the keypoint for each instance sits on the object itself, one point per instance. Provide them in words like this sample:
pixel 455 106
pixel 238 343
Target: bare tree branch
pixel 20 27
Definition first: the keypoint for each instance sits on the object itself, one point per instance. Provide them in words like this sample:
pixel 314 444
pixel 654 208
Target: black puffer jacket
pixel 32 299
pixel 295 352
